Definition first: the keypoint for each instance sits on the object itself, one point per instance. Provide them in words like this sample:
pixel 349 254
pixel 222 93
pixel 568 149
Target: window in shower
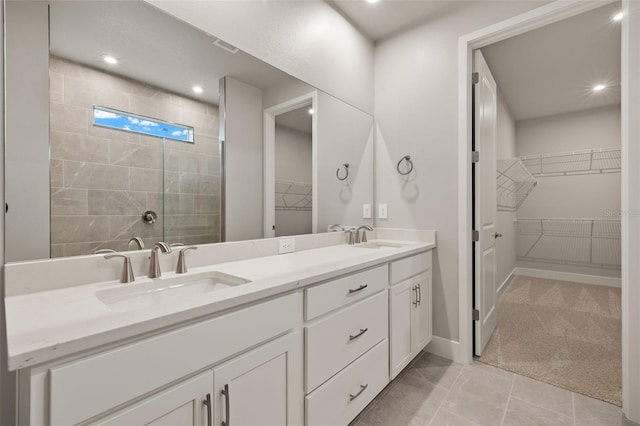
pixel 120 120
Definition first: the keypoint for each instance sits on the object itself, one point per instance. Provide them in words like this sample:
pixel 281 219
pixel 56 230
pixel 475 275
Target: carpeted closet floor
pixel 563 333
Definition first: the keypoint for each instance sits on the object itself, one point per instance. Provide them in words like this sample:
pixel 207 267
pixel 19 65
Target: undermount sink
pixel 379 245
pixel 165 290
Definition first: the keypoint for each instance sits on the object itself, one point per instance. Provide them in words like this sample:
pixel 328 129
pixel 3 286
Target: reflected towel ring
pixel 406 158
pixel 346 170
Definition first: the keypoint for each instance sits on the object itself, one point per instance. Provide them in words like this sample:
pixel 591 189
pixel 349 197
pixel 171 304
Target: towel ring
pixel 346 172
pixel 406 158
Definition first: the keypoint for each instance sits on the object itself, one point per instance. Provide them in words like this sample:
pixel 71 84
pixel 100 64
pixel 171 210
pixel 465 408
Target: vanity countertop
pixel 47 325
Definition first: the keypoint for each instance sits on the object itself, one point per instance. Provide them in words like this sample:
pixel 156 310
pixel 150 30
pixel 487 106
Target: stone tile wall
pixel 102 180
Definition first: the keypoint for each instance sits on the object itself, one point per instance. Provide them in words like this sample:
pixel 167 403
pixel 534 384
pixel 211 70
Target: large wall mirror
pixel 126 126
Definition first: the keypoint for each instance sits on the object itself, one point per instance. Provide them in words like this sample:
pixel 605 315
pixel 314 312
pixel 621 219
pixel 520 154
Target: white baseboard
pixel 445 348
pixel 567 276
pixel 503 286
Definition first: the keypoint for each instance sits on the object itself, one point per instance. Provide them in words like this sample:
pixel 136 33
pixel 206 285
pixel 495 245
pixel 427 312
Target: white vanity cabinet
pixel 409 311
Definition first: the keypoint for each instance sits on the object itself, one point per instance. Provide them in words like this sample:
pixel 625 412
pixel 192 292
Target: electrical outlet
pixel 286 245
pixel 382 211
pixel 366 211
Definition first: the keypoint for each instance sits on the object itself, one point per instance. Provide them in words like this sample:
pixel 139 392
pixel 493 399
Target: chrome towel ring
pixel 346 172
pixel 406 158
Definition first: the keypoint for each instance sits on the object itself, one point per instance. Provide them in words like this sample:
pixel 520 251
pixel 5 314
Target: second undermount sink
pixel 164 290
pixel 379 245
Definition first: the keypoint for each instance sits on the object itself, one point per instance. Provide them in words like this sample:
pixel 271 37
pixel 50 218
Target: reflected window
pixel 120 120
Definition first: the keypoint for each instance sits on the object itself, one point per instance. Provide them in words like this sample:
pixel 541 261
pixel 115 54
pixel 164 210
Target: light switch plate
pixel 366 211
pixel 382 211
pixel 286 245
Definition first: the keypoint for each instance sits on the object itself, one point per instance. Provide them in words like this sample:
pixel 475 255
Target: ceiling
pixel 298 119
pixel 151 47
pixel 389 17
pixel 552 70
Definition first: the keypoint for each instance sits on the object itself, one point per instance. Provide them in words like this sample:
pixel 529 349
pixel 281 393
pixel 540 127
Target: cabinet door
pixel 262 387
pixel 184 404
pixel 421 323
pixel 401 306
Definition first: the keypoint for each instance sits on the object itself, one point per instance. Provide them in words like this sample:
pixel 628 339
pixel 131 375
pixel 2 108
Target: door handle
pixel 354 337
pixel 497 235
pixel 415 301
pixel 227 408
pixel 207 403
pixel 355 290
pixel 362 389
pixel 419 292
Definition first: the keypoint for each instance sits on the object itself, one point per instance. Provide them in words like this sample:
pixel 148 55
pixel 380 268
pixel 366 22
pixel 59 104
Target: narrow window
pixel 120 120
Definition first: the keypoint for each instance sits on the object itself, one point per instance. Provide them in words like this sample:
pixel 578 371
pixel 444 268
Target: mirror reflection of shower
pixel 293 172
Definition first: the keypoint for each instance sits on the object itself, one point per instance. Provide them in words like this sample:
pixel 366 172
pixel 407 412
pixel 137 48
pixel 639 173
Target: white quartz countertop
pixel 47 325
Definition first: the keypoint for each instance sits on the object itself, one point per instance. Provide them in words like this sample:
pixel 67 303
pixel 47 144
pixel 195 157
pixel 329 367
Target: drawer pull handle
pixel 419 294
pixel 362 287
pixel 207 403
pixel 415 301
pixel 362 331
pixel 225 393
pixel 362 389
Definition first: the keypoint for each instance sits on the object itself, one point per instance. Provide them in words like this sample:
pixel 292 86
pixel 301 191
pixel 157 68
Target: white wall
pixel 27 130
pixel 505 149
pixel 307 39
pixel 580 196
pixel 293 164
pixel 243 161
pixel 416 108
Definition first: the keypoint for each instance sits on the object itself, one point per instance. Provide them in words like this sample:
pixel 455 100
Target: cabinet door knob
pixel 354 337
pixel 207 403
pixel 355 290
pixel 227 408
pixel 362 389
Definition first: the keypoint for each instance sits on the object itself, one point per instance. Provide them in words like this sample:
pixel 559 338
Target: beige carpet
pixel 563 333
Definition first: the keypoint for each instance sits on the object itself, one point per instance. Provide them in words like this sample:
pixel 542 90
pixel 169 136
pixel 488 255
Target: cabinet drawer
pixel 84 388
pixel 336 341
pixel 335 294
pixel 403 269
pixel 339 401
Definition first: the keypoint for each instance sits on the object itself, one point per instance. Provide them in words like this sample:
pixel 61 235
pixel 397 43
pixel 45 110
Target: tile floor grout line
pixel 446 395
pixel 506 408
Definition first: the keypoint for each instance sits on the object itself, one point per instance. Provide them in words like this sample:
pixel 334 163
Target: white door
pixel 185 404
pixel 485 295
pixel 402 301
pixel 262 387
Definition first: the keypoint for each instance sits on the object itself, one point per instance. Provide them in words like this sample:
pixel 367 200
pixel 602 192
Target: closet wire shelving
pixel 584 242
pixel 590 161
pixel 293 196
pixel 514 184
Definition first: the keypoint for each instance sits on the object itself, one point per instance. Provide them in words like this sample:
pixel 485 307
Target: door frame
pixel 630 104
pixel 269 142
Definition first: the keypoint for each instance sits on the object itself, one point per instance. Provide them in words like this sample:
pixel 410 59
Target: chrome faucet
pixel 349 233
pixel 137 241
pixel 364 228
pixel 154 264
pixel 182 263
pixel 126 276
pixel 335 228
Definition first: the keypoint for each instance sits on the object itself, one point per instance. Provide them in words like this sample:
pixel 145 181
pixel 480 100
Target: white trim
pixel 630 105
pixel 445 348
pixel 503 286
pixel 269 141
pixel 568 276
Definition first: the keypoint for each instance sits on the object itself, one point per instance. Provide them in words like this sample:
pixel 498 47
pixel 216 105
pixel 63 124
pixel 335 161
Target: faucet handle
pixel 182 262
pixel 126 276
pixel 349 233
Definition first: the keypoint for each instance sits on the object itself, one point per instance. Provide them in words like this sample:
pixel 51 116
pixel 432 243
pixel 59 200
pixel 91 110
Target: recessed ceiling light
pixel 618 16
pixel 311 111
pixel 198 89
pixel 599 87
pixel 110 59
pixel 372 1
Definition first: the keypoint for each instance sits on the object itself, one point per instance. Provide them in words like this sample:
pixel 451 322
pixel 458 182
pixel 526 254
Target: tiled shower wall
pixel 102 180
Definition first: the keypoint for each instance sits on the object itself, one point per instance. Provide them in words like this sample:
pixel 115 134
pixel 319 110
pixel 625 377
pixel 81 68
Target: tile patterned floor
pixel 434 391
